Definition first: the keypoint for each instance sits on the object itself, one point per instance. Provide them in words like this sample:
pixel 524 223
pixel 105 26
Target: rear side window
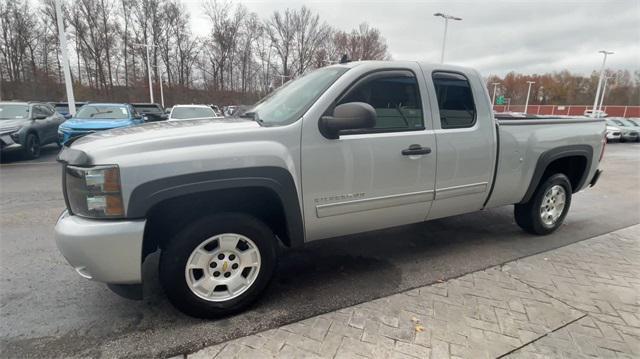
pixel 395 97
pixel 455 100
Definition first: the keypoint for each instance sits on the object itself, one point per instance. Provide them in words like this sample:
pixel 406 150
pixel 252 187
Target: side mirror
pixel 348 116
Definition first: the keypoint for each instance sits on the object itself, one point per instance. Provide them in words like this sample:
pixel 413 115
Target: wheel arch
pixel 268 193
pixel 574 161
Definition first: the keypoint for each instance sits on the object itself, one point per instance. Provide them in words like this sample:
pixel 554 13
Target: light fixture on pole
pixel 493 98
pixel 595 101
pixel 62 35
pixel 526 104
pixel 147 46
pixel 446 25
pixel 604 89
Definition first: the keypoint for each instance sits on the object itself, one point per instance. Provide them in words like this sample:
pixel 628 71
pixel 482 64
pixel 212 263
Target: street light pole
pixel 446 25
pixel 604 90
pixel 493 98
pixel 595 101
pixel 147 46
pixel 161 91
pixel 65 59
pixel 526 104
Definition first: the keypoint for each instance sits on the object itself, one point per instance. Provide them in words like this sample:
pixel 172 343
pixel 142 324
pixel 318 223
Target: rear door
pixel 362 181
pixel 465 133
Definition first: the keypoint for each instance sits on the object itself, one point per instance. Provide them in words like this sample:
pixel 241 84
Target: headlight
pixel 9 130
pixel 94 191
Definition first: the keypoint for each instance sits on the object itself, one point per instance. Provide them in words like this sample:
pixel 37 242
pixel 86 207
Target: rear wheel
pixel 547 208
pixel 32 146
pixel 218 265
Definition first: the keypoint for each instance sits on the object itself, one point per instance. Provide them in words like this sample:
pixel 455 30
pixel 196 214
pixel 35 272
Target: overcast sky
pixel 494 36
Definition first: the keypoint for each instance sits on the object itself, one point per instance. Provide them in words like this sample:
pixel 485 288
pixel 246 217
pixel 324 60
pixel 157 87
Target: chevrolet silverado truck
pixel 345 149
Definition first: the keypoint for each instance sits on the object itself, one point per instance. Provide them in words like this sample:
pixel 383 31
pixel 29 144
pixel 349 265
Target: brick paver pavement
pixel 581 301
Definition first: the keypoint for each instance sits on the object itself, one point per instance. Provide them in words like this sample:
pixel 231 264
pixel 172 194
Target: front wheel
pixel 32 146
pixel 218 265
pixel 547 208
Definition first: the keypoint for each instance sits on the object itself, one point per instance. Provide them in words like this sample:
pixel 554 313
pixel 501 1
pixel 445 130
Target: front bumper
pixel 108 251
pixel 630 136
pixel 7 143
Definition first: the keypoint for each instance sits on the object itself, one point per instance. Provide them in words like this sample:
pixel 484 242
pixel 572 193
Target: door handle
pixel 414 150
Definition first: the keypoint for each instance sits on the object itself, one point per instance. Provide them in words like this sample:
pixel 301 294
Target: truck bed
pixel 522 142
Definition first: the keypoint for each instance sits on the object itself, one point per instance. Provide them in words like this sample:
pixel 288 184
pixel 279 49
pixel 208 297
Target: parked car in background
pixel 613 133
pixel 634 121
pixel 220 198
pixel 94 117
pixel 27 126
pixel 152 111
pixel 192 112
pixel 217 110
pixel 229 110
pixel 629 132
pixel 63 108
pixel 596 113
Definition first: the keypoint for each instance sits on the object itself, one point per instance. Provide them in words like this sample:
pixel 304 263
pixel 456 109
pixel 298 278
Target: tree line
pixel 566 88
pixel 240 58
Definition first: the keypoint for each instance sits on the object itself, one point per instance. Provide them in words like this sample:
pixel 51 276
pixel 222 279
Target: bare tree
pixel 281 30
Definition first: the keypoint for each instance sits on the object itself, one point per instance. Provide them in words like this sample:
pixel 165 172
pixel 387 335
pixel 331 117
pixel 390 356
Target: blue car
pixel 94 117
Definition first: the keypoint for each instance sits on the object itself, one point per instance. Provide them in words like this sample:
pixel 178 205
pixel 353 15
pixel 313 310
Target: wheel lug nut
pixel 234 266
pixel 221 256
pixel 213 264
pixel 227 275
pixel 216 274
pixel 232 257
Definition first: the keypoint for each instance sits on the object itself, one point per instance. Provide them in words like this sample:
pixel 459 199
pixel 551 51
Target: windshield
pixel 103 112
pixel 185 113
pixel 12 112
pixel 147 108
pixel 619 123
pixel 288 103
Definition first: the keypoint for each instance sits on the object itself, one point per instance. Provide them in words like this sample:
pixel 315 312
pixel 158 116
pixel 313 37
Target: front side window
pixel 103 112
pixel 395 97
pixel 455 100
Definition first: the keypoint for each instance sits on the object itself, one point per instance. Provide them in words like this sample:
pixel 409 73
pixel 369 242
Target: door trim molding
pixel 463 190
pixel 367 204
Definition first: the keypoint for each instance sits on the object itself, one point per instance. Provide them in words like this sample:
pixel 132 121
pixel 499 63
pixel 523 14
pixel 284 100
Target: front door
pixel 373 178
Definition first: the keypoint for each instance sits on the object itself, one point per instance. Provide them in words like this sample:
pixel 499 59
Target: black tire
pixel 175 254
pixel 528 216
pixel 31 146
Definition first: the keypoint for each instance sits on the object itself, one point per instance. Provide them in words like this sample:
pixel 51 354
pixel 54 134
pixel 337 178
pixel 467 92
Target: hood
pixel 7 124
pixel 161 135
pixel 95 124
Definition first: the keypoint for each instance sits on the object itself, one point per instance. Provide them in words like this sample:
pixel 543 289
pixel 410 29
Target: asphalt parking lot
pixel 47 309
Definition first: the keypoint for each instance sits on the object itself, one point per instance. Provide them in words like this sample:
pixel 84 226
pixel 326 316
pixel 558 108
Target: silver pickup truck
pixel 345 149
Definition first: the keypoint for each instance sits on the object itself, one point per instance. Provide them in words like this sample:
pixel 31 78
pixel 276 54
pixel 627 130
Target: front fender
pixel 145 196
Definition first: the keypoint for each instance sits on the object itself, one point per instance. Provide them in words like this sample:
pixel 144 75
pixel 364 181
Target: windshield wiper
pixel 252 115
pixel 100 113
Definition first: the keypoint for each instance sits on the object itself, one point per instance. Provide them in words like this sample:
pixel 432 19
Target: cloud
pixel 495 36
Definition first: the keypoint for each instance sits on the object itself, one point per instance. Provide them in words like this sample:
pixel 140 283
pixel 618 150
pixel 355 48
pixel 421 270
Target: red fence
pixel 571 110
